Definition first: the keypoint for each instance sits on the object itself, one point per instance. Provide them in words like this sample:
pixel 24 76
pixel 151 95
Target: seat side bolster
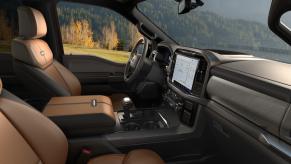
pixel 44 137
pixel 70 79
pixel 38 81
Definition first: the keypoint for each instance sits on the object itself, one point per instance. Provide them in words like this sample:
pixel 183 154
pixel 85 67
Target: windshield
pixel 235 25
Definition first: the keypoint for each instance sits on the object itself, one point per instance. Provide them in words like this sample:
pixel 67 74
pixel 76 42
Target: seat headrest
pixel 1 86
pixel 32 24
pixel 34 52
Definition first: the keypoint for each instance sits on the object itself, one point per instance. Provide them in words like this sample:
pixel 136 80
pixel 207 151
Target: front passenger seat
pixel 28 137
pixel 33 59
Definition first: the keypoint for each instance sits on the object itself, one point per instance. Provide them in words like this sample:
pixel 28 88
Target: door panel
pixel 96 75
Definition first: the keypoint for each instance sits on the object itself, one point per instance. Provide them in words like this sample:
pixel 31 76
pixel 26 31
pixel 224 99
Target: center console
pixel 93 115
pixel 186 81
pixel 82 115
pixel 132 119
pixel 142 119
pixel 91 121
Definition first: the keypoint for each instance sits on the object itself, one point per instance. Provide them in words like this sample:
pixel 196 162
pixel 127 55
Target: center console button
pixel 186 117
pixel 188 105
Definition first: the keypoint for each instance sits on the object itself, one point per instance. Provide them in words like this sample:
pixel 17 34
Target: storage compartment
pixel 263 110
pixel 81 115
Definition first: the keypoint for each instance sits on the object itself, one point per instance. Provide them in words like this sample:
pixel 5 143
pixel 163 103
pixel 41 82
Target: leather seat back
pixel 33 59
pixel 27 136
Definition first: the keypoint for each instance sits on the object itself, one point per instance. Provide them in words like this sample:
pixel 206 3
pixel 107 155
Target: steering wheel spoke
pixel 136 64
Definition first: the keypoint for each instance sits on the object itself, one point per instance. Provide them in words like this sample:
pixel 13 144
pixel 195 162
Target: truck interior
pixel 145 81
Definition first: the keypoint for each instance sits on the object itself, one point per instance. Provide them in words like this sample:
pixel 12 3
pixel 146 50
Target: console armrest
pixel 82 115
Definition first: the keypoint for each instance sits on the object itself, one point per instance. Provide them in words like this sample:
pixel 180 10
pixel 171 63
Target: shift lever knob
pixel 127 103
pixel 127 106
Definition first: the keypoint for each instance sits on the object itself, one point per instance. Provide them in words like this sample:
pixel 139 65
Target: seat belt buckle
pixel 85 156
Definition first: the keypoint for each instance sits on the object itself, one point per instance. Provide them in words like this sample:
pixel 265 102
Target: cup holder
pixel 150 125
pixel 132 126
pixel 142 120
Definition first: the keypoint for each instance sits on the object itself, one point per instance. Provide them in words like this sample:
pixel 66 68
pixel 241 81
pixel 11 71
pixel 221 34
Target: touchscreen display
pixel 185 70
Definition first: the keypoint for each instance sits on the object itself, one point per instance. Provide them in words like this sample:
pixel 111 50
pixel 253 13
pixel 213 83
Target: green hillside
pixel 202 29
pixel 205 29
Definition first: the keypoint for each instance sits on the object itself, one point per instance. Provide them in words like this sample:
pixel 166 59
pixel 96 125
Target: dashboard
pixel 197 77
pixel 249 92
pixel 190 72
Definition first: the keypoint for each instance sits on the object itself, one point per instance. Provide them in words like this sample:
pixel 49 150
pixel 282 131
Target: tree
pixel 78 33
pixel 86 34
pixel 110 37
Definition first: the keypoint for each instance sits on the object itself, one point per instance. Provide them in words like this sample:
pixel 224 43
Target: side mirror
pixel 277 19
pixel 187 5
pixel 184 6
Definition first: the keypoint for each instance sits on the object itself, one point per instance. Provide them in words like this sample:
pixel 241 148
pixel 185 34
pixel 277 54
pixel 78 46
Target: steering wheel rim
pixel 136 62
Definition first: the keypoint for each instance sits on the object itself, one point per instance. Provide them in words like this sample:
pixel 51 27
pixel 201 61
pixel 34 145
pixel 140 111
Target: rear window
pixel 8 24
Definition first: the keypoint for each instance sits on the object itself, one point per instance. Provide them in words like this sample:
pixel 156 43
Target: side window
pixel 8 25
pixel 96 31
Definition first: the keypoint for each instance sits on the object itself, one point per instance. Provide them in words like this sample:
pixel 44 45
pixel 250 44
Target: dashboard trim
pixel 263 110
pixel 259 84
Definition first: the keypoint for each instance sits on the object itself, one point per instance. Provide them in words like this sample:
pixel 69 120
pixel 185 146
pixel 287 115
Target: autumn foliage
pixel 110 37
pixel 80 33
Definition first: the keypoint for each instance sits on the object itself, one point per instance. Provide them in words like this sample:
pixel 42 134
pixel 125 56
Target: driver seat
pixel 33 60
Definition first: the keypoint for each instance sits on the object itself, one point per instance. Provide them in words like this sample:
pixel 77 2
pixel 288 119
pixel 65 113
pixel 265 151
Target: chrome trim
pixel 165 121
pixel 276 144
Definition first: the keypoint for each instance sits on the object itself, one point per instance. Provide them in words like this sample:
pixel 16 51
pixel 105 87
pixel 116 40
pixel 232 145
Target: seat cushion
pixel 36 138
pixel 108 159
pixel 141 156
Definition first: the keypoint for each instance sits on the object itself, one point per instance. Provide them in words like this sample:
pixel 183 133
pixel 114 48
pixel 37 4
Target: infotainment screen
pixel 185 70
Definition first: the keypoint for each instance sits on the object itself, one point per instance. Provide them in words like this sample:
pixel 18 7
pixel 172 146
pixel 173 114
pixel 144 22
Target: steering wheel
pixel 138 64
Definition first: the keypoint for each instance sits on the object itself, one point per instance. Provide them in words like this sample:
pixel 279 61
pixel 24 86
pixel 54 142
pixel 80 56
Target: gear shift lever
pixel 127 106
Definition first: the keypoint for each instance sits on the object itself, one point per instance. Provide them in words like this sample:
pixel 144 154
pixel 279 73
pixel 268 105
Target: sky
pixel 254 10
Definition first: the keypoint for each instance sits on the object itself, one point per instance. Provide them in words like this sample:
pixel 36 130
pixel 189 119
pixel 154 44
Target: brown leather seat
pixel 26 137
pixel 33 59
pixel 33 62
